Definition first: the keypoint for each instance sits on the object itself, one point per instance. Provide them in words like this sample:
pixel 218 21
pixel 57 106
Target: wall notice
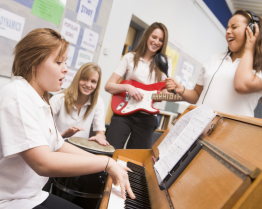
pixel 69 76
pixel 83 57
pixel 11 25
pixel 50 10
pixel 70 30
pixel 71 51
pixel 86 12
pixel 90 39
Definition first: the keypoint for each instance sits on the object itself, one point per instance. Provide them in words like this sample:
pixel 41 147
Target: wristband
pixel 183 91
pixel 107 163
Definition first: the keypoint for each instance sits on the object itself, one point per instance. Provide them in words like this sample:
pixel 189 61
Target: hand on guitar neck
pixel 124 104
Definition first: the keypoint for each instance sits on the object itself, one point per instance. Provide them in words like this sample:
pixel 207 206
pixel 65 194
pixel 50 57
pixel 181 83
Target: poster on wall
pixel 83 57
pixel 69 76
pixel 27 3
pixel 11 25
pixel 50 10
pixel 70 55
pixel 86 12
pixel 70 30
pixel 188 69
pixel 90 40
pixel 174 57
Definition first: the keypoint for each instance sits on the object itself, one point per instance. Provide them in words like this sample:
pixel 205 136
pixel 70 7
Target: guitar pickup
pixel 127 97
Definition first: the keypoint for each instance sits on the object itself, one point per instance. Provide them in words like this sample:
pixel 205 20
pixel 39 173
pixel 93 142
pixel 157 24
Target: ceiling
pixel 251 5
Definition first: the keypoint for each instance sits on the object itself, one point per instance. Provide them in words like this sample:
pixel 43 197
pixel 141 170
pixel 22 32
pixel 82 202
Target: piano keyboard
pixel 138 184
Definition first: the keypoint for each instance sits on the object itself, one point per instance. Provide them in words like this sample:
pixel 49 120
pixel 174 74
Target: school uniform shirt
pixel 64 121
pixel 222 95
pixel 142 71
pixel 25 122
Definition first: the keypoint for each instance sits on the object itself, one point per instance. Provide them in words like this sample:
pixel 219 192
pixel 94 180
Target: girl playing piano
pixel 31 147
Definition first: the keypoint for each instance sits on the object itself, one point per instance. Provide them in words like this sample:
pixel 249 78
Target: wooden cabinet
pixel 164 119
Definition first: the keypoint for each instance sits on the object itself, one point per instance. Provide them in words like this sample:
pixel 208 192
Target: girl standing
pixel 231 82
pixel 138 65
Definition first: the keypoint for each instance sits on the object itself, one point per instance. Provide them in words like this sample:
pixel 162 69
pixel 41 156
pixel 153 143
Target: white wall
pixel 4 81
pixel 186 23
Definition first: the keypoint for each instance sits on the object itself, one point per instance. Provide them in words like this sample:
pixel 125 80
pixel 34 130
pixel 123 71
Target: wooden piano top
pixel 206 182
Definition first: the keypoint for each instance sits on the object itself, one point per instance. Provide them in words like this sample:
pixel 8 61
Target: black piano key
pixel 140 199
pixel 138 184
pixel 135 203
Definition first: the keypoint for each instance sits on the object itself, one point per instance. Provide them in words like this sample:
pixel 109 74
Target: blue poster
pixel 27 3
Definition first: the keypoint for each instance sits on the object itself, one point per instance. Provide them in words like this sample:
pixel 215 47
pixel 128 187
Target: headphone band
pixel 253 16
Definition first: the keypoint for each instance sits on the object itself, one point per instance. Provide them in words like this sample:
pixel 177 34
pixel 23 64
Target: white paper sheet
pixel 183 135
pixel 71 51
pixel 90 40
pixel 86 12
pixel 83 57
pixel 69 76
pixel 70 30
pixel 11 25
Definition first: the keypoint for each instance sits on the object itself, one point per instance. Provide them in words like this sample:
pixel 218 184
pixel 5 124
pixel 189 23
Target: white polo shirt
pixel 222 95
pixel 25 122
pixel 141 74
pixel 64 121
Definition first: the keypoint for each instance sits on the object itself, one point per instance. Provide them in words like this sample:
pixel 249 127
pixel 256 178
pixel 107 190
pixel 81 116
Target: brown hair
pixel 257 63
pixel 34 49
pixel 141 49
pixel 71 93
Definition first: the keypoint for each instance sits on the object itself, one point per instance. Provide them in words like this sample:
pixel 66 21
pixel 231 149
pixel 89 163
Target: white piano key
pixel 115 200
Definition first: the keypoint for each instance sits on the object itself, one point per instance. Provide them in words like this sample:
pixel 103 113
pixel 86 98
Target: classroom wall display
pixel 83 57
pixel 69 76
pixel 11 25
pixel 173 54
pixel 187 66
pixel 50 10
pixel 70 30
pixel 85 40
pixel 71 51
pixel 90 39
pixel 86 12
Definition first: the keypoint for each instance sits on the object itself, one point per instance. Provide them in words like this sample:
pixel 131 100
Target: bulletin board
pixel 185 66
pixel 81 22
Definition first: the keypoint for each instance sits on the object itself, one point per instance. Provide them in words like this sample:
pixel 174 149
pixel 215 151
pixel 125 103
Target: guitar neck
pixel 166 97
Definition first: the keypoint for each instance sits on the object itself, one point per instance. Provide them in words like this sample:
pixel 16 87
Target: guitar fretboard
pixel 166 97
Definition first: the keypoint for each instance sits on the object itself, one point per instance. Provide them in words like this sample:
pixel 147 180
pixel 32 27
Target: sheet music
pixel 174 132
pixel 183 135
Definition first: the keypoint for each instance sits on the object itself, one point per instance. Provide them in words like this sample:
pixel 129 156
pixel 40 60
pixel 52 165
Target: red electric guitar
pixel 123 104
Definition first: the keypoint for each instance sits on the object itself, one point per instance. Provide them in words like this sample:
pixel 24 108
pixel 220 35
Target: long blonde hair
pixel 34 49
pixel 71 93
pixel 141 49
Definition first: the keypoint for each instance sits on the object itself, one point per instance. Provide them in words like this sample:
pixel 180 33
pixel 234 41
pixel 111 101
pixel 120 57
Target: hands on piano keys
pixel 138 184
pixel 119 176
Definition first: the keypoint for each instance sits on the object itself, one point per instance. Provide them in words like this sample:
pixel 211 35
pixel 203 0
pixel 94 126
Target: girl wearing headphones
pixel 31 148
pixel 231 82
pixel 138 65
pixel 77 107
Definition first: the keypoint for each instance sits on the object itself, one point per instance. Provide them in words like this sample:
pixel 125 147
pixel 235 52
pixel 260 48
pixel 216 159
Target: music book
pixel 181 138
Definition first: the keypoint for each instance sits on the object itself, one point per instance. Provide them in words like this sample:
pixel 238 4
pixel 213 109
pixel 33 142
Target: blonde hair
pixel 71 93
pixel 141 49
pixel 34 49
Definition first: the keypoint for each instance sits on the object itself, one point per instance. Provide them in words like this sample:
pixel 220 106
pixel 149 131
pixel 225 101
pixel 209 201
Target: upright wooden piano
pixel 224 174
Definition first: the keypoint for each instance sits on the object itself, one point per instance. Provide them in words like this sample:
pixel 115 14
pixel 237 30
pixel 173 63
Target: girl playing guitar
pixel 138 65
